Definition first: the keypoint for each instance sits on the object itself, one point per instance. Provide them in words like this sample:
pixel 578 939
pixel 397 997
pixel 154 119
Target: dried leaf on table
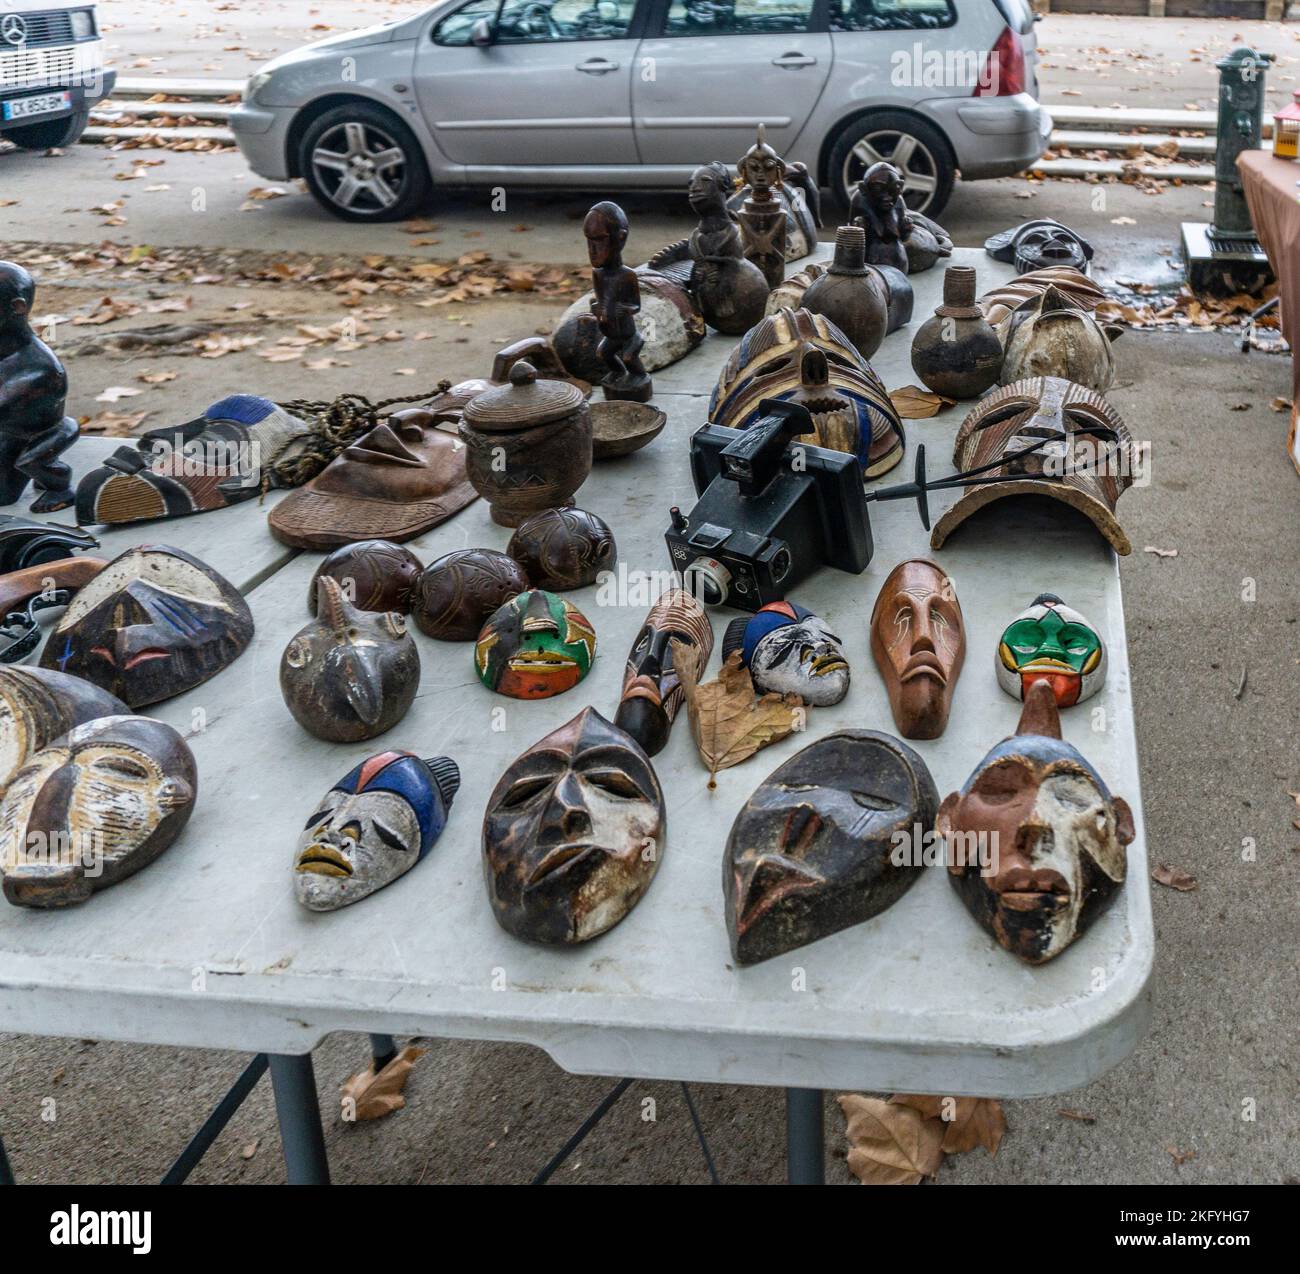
pixel 914 403
pixel 730 723
pixel 890 1145
pixel 1174 877
pixel 967 1121
pixel 367 1095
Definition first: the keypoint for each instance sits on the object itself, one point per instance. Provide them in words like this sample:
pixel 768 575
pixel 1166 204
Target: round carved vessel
pixel 455 595
pixel 850 294
pixel 955 352
pixel 528 444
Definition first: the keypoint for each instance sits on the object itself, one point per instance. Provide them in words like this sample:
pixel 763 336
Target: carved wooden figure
pixel 730 290
pixel 896 236
pixel 615 305
pixel 762 215
pixel 561 549
pixel 535 646
pixel 373 825
pixel 33 389
pixel 93 807
pixel 918 639
pixel 573 833
pixel 376 575
pixel 811 851
pixel 1036 840
pixel 652 691
pixel 152 624
pixel 789 650
pixel 458 593
pixel 1051 642
pixel 349 674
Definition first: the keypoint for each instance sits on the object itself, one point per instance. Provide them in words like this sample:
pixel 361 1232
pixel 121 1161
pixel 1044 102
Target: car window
pixel 890 15
pixel 738 17
pixel 539 21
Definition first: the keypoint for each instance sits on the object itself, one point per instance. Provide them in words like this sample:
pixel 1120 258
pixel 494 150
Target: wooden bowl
pixel 619 428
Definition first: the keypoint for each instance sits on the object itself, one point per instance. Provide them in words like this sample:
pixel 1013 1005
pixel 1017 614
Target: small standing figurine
pixel 877 206
pixel 33 389
pixel 730 291
pixel 616 304
pixel 762 216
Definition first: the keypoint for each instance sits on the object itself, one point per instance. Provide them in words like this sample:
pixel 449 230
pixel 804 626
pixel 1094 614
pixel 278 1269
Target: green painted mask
pixel 1050 642
pixel 535 646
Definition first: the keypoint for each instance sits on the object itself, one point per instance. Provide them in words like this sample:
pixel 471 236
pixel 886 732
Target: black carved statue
pixel 616 303
pixel 33 387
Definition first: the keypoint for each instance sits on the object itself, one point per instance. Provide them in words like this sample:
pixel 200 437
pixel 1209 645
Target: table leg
pixel 294 1082
pixel 805 1137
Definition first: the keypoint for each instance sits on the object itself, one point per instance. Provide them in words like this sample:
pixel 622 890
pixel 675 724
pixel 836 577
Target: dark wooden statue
pixel 561 549
pixel 762 215
pixel 1036 842
pixel 349 674
pixel 33 388
pixel 573 833
pixel 92 808
pixel 375 575
pixel 812 851
pixel 616 304
pixel 730 290
pixel 877 206
pixel 457 594
pixel 152 624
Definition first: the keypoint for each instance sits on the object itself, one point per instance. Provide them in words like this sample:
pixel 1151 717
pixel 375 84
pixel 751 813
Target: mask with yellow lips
pixel 535 646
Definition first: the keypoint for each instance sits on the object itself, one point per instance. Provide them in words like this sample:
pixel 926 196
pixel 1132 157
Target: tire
pixel 357 132
pixel 928 159
pixel 49 133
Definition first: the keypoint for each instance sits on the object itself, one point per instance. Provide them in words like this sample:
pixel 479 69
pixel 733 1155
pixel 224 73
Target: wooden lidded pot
pixel 528 444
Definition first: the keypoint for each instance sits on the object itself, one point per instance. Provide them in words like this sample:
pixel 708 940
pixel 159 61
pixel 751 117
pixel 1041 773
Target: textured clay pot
pixel 851 294
pixel 955 352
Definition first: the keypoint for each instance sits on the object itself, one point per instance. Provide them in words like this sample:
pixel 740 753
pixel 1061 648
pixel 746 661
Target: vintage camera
pixel 771 511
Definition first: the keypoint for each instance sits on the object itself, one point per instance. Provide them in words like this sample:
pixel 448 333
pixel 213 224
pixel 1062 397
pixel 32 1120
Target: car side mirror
pixel 480 33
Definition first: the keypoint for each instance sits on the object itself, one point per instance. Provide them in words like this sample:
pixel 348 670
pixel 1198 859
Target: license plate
pixel 45 104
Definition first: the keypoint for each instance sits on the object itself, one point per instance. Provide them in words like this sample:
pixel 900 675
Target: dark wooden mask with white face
pixel 573 833
pixel 152 624
pixel 811 852
pixel 92 808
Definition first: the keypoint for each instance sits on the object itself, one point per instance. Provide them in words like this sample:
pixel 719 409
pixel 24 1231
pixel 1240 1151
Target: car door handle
pixel 794 59
pixel 596 66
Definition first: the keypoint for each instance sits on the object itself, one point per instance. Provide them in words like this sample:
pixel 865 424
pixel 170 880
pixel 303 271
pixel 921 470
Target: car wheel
pixel 917 149
pixel 50 133
pixel 363 164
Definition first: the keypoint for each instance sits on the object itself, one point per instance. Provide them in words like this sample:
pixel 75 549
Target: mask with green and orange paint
pixel 1053 643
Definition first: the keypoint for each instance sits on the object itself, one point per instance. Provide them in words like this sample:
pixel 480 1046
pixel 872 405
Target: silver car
pixel 608 94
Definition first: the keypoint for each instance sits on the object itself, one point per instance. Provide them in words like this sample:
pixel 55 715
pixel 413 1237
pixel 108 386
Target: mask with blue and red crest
pixel 789 650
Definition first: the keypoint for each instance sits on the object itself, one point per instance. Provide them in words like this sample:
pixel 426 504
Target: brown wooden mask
pixel 152 624
pixel 812 851
pixel 1036 841
pixel 919 643
pixel 652 691
pixel 92 808
pixel 573 833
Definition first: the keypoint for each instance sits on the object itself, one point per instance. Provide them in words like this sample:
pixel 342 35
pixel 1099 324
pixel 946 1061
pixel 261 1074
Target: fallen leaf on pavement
pixel 1078 1115
pixel 367 1095
pixel 1281 404
pixel 1173 877
pixel 1179 1157
pixel 1150 548
pixel 975 1121
pixel 248 1151
pixel 890 1145
pixel 914 403
pixel 114 392
pixel 1122 221
pixel 114 424
pixel 156 378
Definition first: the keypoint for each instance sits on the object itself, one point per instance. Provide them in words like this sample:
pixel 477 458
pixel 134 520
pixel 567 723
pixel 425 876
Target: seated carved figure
pixel 33 389
pixel 896 236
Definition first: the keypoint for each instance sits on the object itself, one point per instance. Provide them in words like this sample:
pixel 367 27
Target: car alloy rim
pixel 360 167
pixel 907 153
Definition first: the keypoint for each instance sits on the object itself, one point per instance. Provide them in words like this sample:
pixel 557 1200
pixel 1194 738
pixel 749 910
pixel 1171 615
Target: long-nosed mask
pixel 652 690
pixel 1051 642
pixel 813 850
pixel 1036 841
pixel 153 623
pixel 92 808
pixel 349 674
pixel 373 826
pixel 573 833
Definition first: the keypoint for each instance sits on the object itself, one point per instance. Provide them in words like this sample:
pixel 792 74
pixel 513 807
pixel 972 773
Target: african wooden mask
pixel 1049 335
pixel 459 592
pixel 375 575
pixel 1036 841
pixel 1082 453
pixel 373 826
pixel 918 639
pixel 789 650
pixel 563 548
pixel 37 705
pixel 92 808
pixel 652 691
pixel 573 833
pixel 1052 643
pixel 349 674
pixel 152 624
pixel 813 850
pixel 535 646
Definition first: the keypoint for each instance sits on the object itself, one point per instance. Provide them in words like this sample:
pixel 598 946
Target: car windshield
pixel 533 21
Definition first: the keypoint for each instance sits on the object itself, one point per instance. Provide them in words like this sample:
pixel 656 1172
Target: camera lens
pixel 781 565
pixel 707 580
